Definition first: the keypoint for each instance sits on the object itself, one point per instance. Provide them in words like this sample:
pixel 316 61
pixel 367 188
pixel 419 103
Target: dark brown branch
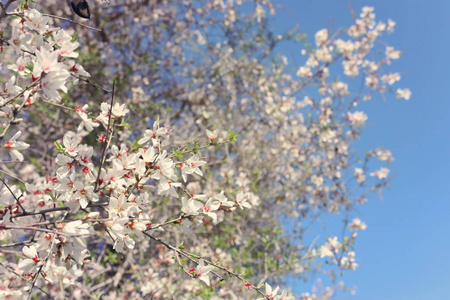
pixel 5 8
pixel 17 199
pixel 50 210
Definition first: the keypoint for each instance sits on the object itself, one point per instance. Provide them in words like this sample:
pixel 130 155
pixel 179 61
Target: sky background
pixel 404 252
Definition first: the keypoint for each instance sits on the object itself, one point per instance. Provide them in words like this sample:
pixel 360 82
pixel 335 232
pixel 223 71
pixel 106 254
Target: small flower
pixel 391 25
pixel 384 155
pixel 191 166
pixel 381 173
pixel 201 271
pixel 167 187
pixel 405 94
pixel 321 37
pixel 212 135
pixel 359 175
pixel 391 53
pixel 210 206
pixel 153 134
pixel 190 206
pixel 76 228
pixel 119 111
pixel 11 88
pixel 47 61
pixel 53 82
pixel 101 138
pixel 223 200
pixel 13 146
pixel 20 65
pixel 71 145
pixel 66 164
pixel 242 200
pixel 30 264
pixel 358 118
pixel 304 72
pixel 357 224
pixel 271 293
pixel 86 122
pixel 284 296
pixel 123 240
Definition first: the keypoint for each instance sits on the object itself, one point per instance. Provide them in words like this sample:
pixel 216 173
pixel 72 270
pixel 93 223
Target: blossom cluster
pixel 100 198
pixel 119 188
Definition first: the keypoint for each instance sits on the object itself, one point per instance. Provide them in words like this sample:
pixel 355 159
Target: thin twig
pixel 72 21
pixel 24 279
pixel 91 83
pixel 191 257
pixel 22 92
pixel 50 210
pixel 12 175
pixel 43 230
pixel 34 281
pixel 14 244
pixel 21 14
pixel 40 212
pixel 17 199
pixel 58 105
pixel 108 139
pixel 9 162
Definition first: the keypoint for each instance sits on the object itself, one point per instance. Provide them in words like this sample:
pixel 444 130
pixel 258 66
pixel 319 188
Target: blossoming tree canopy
pixel 161 149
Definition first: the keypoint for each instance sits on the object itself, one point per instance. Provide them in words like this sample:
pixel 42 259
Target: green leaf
pixel 233 137
pixel 59 148
pixel 180 246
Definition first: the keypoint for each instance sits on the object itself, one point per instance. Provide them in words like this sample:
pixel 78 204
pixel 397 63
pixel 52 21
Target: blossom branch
pixel 109 131
pixel 42 230
pixel 15 198
pixel 25 280
pixel 55 209
pixel 17 111
pixel 190 257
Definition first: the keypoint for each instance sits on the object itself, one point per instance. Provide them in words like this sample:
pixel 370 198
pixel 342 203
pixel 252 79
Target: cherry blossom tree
pixel 166 149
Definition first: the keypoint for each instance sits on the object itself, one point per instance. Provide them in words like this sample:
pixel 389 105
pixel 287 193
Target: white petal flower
pixel 202 270
pixel 13 146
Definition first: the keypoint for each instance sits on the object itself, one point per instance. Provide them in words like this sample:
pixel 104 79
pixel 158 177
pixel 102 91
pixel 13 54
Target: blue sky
pixel 404 252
